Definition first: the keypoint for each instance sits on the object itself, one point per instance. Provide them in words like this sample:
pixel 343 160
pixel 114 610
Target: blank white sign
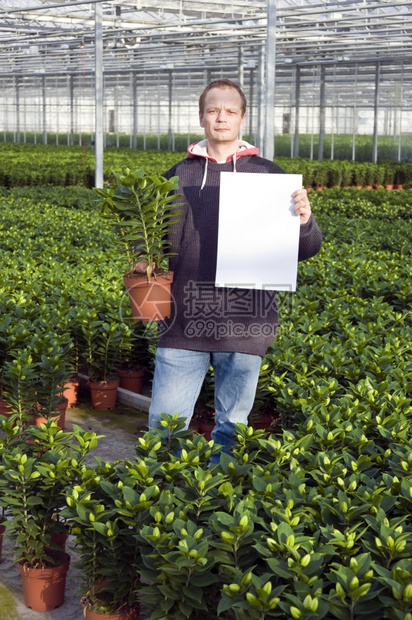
pixel 258 238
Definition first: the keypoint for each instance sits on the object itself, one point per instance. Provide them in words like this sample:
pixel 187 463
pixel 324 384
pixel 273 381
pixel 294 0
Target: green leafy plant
pixel 142 209
pixel 103 338
pixel 106 509
pixel 33 476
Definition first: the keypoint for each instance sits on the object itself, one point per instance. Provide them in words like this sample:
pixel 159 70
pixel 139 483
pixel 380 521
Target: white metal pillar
pixel 17 88
pixel 241 75
pixel 269 140
pixel 322 112
pixel 260 130
pixel 297 112
pixel 134 104
pixel 375 115
pixel 98 47
pixel 44 108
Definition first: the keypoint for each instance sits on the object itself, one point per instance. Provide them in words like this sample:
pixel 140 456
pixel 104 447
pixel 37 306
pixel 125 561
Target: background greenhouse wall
pixel 151 86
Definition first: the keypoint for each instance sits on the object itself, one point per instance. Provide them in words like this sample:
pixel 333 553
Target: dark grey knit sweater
pixel 206 318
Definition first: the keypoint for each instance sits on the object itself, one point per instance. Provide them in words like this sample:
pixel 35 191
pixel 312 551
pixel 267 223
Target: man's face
pixel 222 117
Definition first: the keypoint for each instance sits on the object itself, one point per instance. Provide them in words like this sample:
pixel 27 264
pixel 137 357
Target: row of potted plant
pixel 326 173
pixel 313 522
pixel 34 165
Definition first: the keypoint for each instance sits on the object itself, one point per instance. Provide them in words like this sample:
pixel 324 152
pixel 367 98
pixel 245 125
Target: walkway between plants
pixel 121 429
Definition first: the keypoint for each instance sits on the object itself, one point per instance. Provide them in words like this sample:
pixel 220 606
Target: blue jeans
pixel 178 378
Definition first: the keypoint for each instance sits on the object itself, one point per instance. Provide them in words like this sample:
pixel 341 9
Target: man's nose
pixel 221 116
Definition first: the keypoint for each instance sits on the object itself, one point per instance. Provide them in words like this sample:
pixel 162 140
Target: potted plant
pixel 33 476
pixel 346 169
pixel 204 415
pixel 263 414
pixel 143 208
pixel 369 174
pixel 107 509
pixel 378 176
pixel 103 338
pixel 20 380
pixel 320 176
pixel 135 358
pixel 389 178
pixel 53 371
pixel 359 175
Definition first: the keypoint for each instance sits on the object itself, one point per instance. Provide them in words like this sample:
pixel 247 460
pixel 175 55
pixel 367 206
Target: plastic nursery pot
pixel 206 430
pixel 60 539
pixel 59 418
pixel 150 301
pixel 44 588
pixel 92 615
pixel 131 380
pixel 5 408
pixel 2 530
pixel 71 389
pixel 103 394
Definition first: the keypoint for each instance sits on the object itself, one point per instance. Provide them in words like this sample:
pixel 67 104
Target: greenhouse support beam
pixel 260 129
pixel 99 96
pixel 269 139
pixel 134 107
pixel 376 114
pixel 241 75
pixel 170 109
pixel 322 112
pixel 17 86
pixel 70 135
pixel 250 112
pixel 44 108
pixel 297 111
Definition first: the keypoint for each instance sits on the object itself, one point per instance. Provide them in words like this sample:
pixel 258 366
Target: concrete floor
pixel 120 428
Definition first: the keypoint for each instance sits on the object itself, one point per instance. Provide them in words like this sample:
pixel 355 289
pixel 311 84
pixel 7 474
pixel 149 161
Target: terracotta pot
pixel 389 186
pixel 92 615
pixel 2 530
pixel 132 380
pixel 43 588
pixel 398 186
pixel 60 418
pixel 70 391
pixel 150 301
pixel 5 408
pixel 103 394
pixel 206 430
pixel 263 422
pixel 60 539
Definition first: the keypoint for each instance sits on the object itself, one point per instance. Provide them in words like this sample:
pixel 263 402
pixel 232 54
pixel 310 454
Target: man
pixel 229 329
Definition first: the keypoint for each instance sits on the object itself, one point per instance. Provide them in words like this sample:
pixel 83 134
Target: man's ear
pixel 201 119
pixel 242 124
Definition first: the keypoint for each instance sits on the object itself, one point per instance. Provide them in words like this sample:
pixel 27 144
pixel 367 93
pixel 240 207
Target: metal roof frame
pixel 310 40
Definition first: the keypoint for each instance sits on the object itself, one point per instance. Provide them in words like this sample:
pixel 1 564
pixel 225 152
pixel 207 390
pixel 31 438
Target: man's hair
pixel 222 83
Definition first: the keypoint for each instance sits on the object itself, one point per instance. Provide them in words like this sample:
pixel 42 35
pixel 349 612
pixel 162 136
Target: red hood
pixel 199 149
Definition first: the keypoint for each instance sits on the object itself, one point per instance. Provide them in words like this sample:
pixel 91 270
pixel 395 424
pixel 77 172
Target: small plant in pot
pixel 103 338
pixel 135 358
pixel 203 419
pixel 142 209
pixel 32 479
pixel 54 371
pixel 20 379
pixel 107 509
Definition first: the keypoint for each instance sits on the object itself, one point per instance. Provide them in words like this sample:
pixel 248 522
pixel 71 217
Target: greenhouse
pixel 205 310
pixel 132 71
